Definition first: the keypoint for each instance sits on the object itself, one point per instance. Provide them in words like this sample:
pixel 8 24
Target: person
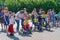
pixel 6 18
pixel 25 12
pixel 36 22
pixel 33 14
pixel 10 28
pixel 40 23
pixel 47 26
pixel 40 11
pixel 52 17
pixel 58 15
pixel 26 25
pixel 19 16
pixel 30 21
pixel 43 18
pixel 40 19
pixel 58 19
pixel 1 18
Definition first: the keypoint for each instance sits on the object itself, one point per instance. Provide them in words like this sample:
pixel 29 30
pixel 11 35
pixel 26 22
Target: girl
pixel 36 22
pixel 30 20
pixel 26 25
pixel 6 18
pixel 12 21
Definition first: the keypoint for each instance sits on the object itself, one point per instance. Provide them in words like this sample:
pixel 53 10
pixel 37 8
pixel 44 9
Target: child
pixel 58 19
pixel 26 25
pixel 40 23
pixel 12 20
pixel 47 26
pixel 36 23
pixel 43 18
pixel 58 16
pixel 30 20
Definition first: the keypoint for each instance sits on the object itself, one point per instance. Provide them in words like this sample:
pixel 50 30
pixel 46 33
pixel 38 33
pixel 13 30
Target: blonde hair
pixel 6 8
pixel 22 11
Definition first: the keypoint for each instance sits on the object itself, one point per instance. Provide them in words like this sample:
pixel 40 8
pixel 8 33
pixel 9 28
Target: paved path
pixel 45 35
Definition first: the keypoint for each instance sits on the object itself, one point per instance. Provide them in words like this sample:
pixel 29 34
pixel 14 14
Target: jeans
pixel 22 22
pixel 17 21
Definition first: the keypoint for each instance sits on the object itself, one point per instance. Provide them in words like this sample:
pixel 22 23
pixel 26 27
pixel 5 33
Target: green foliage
pixel 16 5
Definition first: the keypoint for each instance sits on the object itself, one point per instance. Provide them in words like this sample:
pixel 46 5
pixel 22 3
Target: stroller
pixel 46 23
pixel 37 23
pixel 26 27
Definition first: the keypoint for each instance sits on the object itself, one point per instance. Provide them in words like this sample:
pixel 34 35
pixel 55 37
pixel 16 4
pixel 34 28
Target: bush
pixel 16 5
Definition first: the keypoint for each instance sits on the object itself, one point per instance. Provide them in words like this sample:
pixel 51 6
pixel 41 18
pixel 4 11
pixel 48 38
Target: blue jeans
pixel 17 21
pixel 22 22
pixel 53 20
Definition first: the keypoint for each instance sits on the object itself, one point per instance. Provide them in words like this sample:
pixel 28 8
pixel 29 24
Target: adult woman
pixel 1 18
pixel 33 14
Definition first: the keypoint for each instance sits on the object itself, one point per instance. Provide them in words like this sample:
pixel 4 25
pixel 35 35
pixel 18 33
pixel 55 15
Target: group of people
pixel 39 20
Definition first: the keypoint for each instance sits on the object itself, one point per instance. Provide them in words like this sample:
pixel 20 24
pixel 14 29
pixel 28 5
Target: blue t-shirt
pixel 46 18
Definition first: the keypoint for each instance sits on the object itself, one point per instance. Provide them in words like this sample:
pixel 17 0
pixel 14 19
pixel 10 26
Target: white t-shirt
pixel 12 20
pixel 19 16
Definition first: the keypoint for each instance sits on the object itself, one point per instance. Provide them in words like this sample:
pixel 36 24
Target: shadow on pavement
pixel 24 35
pixel 3 31
pixel 50 30
pixel 13 37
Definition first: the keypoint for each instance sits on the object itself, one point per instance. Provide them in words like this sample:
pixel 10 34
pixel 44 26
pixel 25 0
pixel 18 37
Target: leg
pixel 22 22
pixel 35 27
pixel 17 21
pixel 2 25
pixel 46 26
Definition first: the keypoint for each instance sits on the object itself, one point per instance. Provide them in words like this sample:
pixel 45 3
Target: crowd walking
pixel 43 18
